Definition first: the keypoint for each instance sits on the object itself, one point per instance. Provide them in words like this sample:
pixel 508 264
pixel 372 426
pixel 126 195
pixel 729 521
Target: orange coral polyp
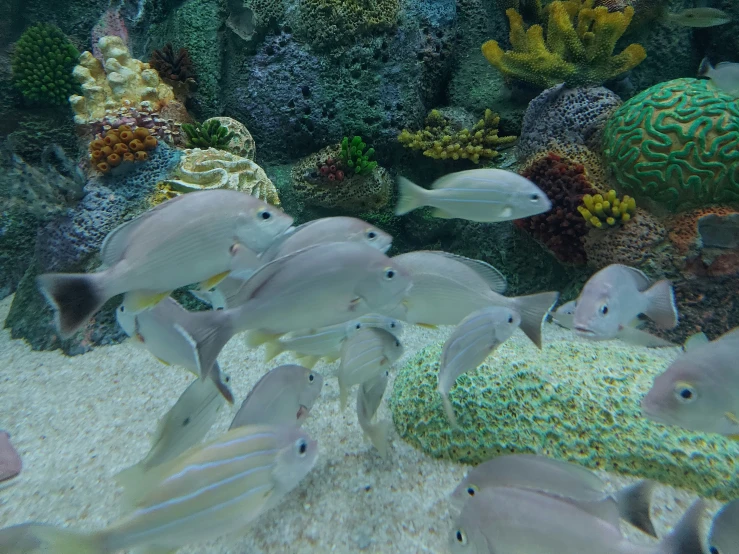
pixel 124 128
pixel 120 148
pixel 150 143
pixel 135 145
pixel 126 136
pixel 141 133
pixel 128 157
pixel 141 156
pixel 107 150
pixel 103 167
pixel 114 160
pixel 97 144
pixel 111 139
pixel 96 155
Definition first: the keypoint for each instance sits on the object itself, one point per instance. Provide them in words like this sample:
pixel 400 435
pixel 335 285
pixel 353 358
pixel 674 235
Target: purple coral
pixel 10 461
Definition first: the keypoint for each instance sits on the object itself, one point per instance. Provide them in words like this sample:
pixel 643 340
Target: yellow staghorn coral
pixel 611 211
pixel 439 140
pixel 578 48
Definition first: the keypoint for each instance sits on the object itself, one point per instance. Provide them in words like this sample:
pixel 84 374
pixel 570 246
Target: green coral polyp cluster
pixel 355 158
pixel 440 141
pixel 578 49
pixel 611 211
pixel 210 134
pixel 42 65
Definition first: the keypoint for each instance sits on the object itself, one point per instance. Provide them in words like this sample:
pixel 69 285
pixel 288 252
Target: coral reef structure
pixel 174 66
pixel 578 49
pixel 441 141
pixel 121 81
pixel 210 134
pixel 203 169
pixel 354 158
pixel 606 211
pixel 164 125
pixel 562 229
pixel 676 144
pixel 42 64
pixel 560 403
pixel 241 142
pixel 123 145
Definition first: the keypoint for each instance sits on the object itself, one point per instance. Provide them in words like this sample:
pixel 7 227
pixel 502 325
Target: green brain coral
pixel 676 143
pixel 42 65
pixel 571 401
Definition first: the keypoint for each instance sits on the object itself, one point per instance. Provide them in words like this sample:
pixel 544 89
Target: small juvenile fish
pixel 10 462
pixel 699 391
pixel 207 492
pixel 562 479
pixel 447 288
pixel 725 76
pixel 699 17
pixel 182 427
pixel 484 195
pixel 312 345
pixel 470 344
pixel 186 240
pixel 364 356
pixel 615 296
pixel 369 397
pixel 159 330
pixel 723 538
pixel 505 519
pixel 283 396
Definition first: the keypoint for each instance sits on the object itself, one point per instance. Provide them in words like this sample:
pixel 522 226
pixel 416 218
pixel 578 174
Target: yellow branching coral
pixel 578 48
pixel 439 140
pixel 597 210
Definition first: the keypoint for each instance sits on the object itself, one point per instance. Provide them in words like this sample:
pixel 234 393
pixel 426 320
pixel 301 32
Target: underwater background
pixel 109 108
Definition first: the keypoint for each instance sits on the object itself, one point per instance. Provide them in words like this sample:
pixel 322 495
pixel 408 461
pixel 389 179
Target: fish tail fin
pixel 378 434
pixel 449 410
pixel 661 304
pixel 257 337
pixel 685 537
pixel 272 349
pixel 411 196
pixel 705 67
pixel 208 334
pixel 309 361
pixel 75 296
pixel 127 480
pixel 533 309
pixel 635 504
pixel 41 537
pixel 217 378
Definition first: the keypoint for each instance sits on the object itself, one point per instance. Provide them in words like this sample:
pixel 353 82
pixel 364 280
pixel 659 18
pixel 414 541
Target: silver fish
pixel 10 462
pixel 369 397
pixel 470 344
pixel 699 17
pixel 283 396
pixel 700 389
pixel 159 330
pixel 182 427
pixel 613 298
pixel 505 519
pixel 562 479
pixel 318 286
pixel 447 288
pixel 207 492
pixel 725 76
pixel 364 356
pixel 312 345
pixel 723 538
pixel 484 195
pixel 186 240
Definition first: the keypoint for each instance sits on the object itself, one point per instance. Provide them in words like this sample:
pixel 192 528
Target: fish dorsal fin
pixel 694 341
pixel 115 244
pixel 724 64
pixel 494 278
pixel 642 281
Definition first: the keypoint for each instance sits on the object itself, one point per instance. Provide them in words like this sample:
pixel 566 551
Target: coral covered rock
pixel 676 144
pixel 578 49
pixel 572 401
pixel 120 147
pixel 120 81
pixel 607 211
pixel 174 66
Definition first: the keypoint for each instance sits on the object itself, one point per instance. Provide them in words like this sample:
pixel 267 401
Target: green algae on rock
pixel 571 401
pixel 676 143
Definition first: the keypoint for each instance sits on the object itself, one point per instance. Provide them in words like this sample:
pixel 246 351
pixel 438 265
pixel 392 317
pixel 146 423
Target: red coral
pixel 330 171
pixel 562 229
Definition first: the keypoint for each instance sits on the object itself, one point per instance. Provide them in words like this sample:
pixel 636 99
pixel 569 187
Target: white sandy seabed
pixel 77 421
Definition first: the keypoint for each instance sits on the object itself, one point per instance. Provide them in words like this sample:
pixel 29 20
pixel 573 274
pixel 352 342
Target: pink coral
pixel 111 23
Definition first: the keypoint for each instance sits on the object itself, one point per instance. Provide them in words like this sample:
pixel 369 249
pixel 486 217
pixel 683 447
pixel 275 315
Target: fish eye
pixel 227 379
pixel 392 325
pixel 604 309
pixel 472 490
pixel 510 319
pixel 371 235
pixel 684 392
pixel 713 550
pixel 358 326
pixel 186 422
pixel 311 377
pixel 461 537
pixel 265 214
pixel 302 447
pixel 397 342
pixel 389 273
pixel 122 308
pixel 534 197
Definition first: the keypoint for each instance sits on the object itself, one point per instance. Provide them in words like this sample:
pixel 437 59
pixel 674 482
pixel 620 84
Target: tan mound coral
pixel 217 169
pixel 241 143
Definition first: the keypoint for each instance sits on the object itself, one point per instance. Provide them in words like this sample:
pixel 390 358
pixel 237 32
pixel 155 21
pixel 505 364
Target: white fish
pixel 699 17
pixel 364 356
pixel 725 76
pixel 369 397
pixel 159 330
pixel 613 298
pixel 207 492
pixel 283 396
pixel 447 288
pixel 470 344
pixel 10 462
pixel 700 389
pixel 186 240
pixel 484 195
pixel 182 427
pixel 723 537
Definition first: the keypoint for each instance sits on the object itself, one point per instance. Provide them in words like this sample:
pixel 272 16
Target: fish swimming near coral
pixel 186 240
pixel 10 462
pixel 725 76
pixel 699 17
pixel 484 195
pixel 283 396
pixel 700 389
pixel 723 538
pixel 565 480
pixel 369 397
pixel 160 331
pixel 473 340
pixel 207 492
pixel 615 296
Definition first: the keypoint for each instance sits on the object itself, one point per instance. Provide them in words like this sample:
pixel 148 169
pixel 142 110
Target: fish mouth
pixel 584 331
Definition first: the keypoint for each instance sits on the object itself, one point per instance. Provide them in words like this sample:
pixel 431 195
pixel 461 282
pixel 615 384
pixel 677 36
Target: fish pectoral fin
pixel 139 301
pixel 732 417
pixel 213 281
pixel 427 325
pixel 165 362
pixel 354 304
pixel 441 214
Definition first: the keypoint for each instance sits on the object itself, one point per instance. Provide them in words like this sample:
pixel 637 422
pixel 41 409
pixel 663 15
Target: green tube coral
pixel 355 158
pixel 210 134
pixel 609 210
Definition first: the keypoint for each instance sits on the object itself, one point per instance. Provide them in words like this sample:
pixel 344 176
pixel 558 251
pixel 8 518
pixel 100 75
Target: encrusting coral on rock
pixel 120 146
pixel 610 210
